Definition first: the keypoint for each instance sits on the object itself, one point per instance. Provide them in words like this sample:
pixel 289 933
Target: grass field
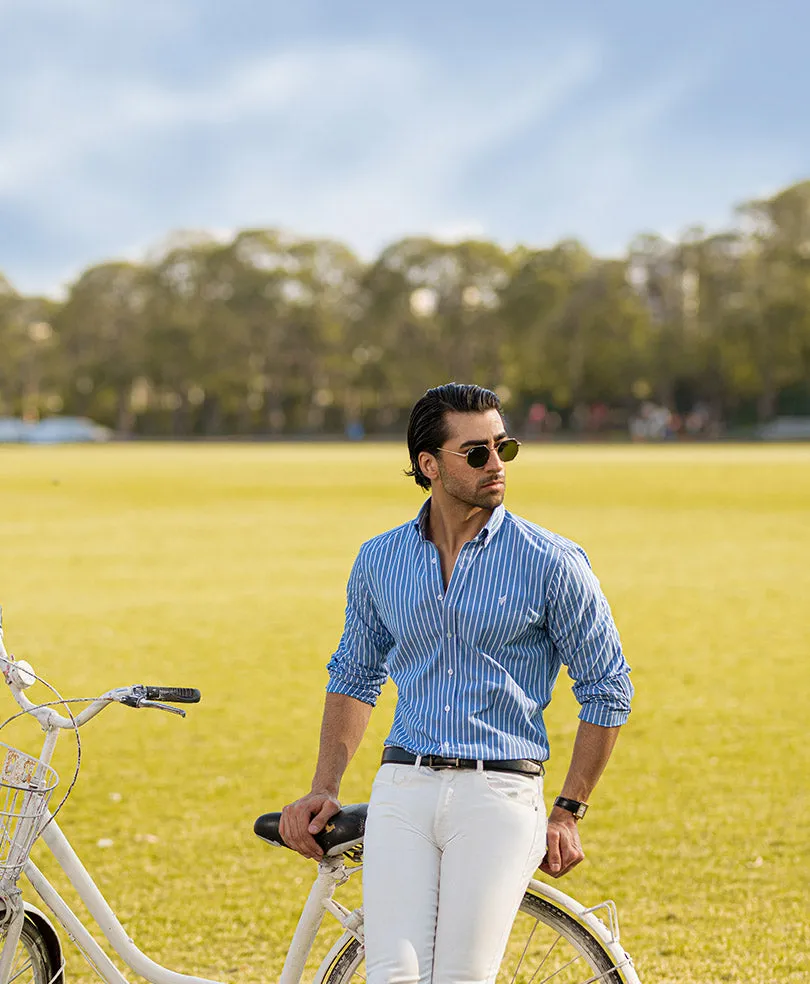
pixel 224 567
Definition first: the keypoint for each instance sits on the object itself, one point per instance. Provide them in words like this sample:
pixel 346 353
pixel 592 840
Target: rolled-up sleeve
pixel 583 631
pixel 358 667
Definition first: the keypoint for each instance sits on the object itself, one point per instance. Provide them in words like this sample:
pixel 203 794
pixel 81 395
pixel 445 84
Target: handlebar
pixel 136 696
pixel 19 675
pixel 174 695
pixel 143 696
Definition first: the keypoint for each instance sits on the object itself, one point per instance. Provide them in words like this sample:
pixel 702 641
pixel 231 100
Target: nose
pixel 494 462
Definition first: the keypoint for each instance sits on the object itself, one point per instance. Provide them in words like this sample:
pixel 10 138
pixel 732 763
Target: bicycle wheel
pixel 33 962
pixel 545 944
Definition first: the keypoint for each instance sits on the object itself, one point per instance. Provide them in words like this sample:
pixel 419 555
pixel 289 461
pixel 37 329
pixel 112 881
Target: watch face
pixel 574 807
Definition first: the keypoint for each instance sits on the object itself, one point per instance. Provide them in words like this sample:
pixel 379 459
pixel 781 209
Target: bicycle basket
pixel 26 785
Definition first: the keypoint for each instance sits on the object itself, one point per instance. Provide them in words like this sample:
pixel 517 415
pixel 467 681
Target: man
pixel 472 611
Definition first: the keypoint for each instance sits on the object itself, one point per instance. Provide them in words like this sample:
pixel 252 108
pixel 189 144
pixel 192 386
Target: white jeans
pixel 447 856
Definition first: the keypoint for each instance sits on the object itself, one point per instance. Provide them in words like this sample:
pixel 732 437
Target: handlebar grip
pixel 174 695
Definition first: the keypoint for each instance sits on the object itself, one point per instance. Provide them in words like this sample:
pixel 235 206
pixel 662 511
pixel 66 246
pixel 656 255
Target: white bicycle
pixel 554 937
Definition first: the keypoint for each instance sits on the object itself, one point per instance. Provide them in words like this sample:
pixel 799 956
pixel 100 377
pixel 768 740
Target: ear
pixel 428 465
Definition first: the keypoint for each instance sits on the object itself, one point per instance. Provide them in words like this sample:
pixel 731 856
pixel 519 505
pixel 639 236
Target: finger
pixel 552 861
pixel 572 860
pixel 309 847
pixel 557 872
pixel 571 854
pixel 295 831
pixel 304 842
pixel 565 869
pixel 544 867
pixel 286 825
pixel 319 821
pixel 573 864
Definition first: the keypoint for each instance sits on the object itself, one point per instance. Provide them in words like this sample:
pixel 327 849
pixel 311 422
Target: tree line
pixel 269 334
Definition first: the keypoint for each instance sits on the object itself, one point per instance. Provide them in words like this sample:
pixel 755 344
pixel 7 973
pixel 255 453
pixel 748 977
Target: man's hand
pixel 563 846
pixel 305 817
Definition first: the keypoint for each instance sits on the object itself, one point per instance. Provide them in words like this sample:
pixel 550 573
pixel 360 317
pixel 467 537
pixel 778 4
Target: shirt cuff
pixel 368 695
pixel 595 712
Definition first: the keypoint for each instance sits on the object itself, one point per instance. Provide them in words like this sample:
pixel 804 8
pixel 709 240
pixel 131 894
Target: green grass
pixel 224 567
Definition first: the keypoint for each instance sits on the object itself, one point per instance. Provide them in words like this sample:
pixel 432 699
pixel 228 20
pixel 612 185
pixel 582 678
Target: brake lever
pixel 162 707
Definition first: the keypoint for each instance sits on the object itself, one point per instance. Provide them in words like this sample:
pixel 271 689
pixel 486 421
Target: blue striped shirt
pixel 475 665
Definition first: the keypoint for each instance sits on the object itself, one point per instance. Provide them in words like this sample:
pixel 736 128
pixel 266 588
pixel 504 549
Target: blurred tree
pixel 773 339
pixel 542 345
pixel 102 332
pixel 9 346
pixel 429 313
pixel 191 367
pixel 30 360
pixel 664 277
pixel 265 332
pixel 294 300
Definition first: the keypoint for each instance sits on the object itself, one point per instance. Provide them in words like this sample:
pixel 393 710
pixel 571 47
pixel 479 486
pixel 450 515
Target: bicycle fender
pixel 49 935
pixel 329 960
pixel 608 935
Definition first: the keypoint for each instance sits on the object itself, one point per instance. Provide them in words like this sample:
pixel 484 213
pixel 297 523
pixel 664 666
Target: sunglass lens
pixel 507 450
pixel 477 457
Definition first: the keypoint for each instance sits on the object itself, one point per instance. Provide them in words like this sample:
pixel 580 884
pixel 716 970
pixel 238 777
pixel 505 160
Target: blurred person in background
pixel 472 611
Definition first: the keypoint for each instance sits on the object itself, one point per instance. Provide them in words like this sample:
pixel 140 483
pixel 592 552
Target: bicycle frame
pixel 332 872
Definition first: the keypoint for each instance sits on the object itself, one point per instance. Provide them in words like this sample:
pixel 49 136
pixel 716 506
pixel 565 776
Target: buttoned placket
pixel 449 628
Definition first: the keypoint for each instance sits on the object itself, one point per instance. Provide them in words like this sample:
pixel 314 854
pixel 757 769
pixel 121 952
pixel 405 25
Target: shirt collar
pixel 483 537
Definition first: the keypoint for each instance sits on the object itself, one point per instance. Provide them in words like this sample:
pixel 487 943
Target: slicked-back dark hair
pixel 427 426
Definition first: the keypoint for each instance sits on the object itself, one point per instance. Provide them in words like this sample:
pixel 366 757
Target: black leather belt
pixel 400 756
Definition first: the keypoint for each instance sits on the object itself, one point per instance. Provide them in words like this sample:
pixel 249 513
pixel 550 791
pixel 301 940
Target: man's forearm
pixel 592 750
pixel 344 723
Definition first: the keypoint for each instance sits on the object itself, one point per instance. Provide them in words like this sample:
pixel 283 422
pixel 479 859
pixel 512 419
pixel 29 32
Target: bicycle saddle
pixel 342 832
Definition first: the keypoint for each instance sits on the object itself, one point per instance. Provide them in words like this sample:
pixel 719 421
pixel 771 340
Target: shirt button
pixel 447 707
pixel 433 560
pixel 449 635
pixel 449 672
pixel 439 597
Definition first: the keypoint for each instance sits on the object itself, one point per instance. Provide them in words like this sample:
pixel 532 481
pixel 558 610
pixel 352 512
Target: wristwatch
pixel 573 806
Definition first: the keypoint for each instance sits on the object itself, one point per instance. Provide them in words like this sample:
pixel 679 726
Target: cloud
pixel 627 161
pixel 357 141
pixel 430 129
pixel 598 159
pixel 115 134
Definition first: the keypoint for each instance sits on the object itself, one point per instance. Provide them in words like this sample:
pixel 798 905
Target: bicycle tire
pixel 601 965
pixel 33 961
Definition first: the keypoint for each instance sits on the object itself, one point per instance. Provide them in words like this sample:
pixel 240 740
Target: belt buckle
pixel 448 763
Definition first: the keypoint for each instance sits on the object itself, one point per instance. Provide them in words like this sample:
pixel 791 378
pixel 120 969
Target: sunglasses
pixel 478 456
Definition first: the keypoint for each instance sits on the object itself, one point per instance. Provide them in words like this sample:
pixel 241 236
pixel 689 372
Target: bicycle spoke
pixel 20 956
pixel 523 955
pixel 539 954
pixel 542 963
pixel 29 964
pixel 559 970
pixel 14 976
pixel 604 974
pixel 546 946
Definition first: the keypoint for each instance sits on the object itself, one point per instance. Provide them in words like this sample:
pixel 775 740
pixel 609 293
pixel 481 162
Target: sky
pixel 527 121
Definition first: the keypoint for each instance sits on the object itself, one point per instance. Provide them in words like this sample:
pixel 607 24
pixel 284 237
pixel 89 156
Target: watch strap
pixel 572 806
